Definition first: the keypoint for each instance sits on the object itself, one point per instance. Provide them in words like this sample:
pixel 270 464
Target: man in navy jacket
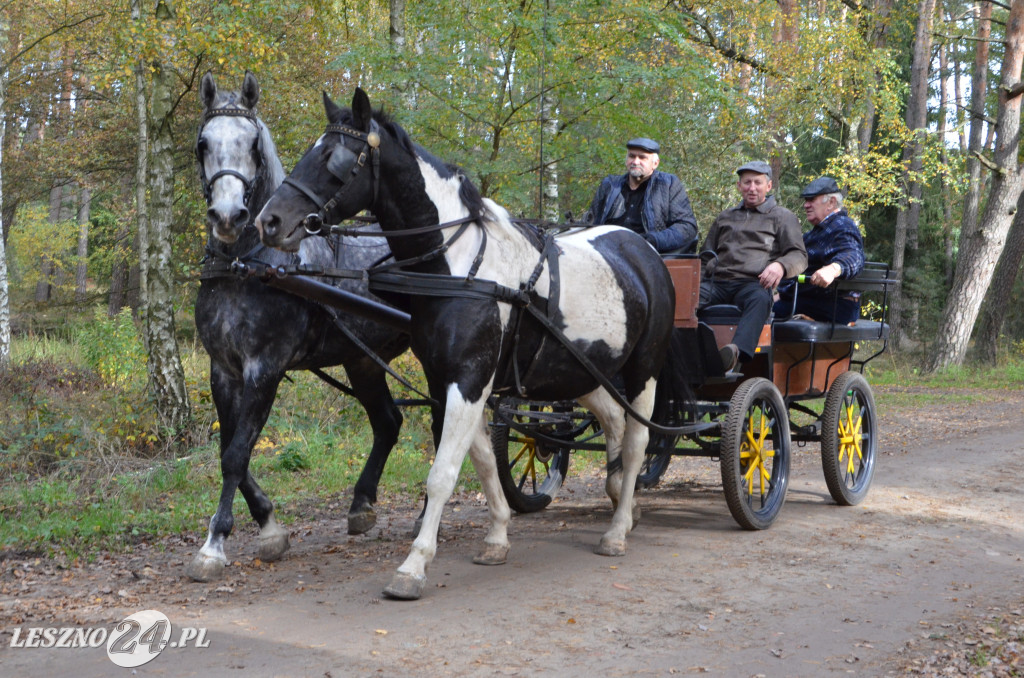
pixel 651 203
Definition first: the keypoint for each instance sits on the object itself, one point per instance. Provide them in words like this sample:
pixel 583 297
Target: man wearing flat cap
pixel 755 244
pixel 835 249
pixel 647 201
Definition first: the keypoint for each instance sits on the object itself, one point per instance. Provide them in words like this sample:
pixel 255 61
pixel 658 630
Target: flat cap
pixel 758 166
pixel 820 186
pixel 644 144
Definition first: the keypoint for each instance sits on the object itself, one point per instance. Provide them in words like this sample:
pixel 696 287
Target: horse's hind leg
pixel 609 414
pixel 242 412
pixel 634 442
pixel 496 544
pixel 371 389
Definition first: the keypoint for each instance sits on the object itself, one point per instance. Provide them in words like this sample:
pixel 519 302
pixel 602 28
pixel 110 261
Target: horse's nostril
pixel 269 225
pixel 242 217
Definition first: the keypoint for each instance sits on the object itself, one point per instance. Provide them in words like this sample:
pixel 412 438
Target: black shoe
pixel 729 354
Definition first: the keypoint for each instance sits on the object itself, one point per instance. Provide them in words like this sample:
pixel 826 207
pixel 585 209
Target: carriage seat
pixel 719 314
pixel 817 332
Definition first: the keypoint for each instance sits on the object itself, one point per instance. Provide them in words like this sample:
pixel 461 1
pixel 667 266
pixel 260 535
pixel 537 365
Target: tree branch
pixel 989 164
pixel 7 64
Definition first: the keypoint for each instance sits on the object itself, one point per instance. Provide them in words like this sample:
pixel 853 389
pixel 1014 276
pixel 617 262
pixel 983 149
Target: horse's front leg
pixel 462 421
pixel 371 389
pixel 242 412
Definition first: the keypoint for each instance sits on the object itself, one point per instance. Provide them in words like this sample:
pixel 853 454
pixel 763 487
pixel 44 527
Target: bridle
pixel 344 165
pixel 250 184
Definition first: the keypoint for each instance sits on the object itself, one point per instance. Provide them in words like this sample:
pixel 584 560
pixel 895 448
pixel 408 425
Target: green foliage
pixel 113 348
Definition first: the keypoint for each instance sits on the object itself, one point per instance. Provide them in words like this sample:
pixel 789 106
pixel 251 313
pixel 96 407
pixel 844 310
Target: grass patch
pixel 82 467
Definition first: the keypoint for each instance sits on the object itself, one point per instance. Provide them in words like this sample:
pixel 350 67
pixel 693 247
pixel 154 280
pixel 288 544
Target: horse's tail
pixel 674 398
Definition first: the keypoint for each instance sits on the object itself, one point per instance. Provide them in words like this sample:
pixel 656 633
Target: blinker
pixel 341 162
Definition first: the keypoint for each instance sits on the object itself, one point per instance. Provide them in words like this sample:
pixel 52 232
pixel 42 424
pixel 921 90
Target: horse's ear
pixel 361 111
pixel 332 109
pixel 250 90
pixel 207 90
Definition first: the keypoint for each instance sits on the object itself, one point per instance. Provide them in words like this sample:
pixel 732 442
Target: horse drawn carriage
pixel 751 417
pixel 490 320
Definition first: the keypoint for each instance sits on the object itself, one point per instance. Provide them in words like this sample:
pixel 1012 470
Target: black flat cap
pixel 758 166
pixel 644 144
pixel 820 186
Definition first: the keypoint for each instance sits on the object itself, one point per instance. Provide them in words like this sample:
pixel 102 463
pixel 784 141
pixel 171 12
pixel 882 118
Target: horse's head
pixel 336 178
pixel 231 154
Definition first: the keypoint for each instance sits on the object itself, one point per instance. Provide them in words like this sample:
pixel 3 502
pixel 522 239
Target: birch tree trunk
pixel 981 248
pixel 141 179
pixel 166 376
pixel 910 204
pixel 82 254
pixel 993 312
pixel 5 301
pixel 548 170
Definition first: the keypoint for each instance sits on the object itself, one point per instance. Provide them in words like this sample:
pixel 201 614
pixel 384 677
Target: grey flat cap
pixel 644 144
pixel 820 186
pixel 758 166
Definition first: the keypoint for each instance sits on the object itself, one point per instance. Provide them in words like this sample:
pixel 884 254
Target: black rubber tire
pixel 756 405
pixel 655 462
pixel 849 438
pixel 530 473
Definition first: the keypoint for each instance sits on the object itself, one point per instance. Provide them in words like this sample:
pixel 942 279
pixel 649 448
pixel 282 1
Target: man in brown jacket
pixel 756 244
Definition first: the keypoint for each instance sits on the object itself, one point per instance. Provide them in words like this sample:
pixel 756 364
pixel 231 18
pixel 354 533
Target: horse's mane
pixel 469 194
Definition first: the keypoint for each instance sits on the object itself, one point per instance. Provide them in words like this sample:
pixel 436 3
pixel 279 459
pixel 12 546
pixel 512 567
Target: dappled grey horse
pixel 255 334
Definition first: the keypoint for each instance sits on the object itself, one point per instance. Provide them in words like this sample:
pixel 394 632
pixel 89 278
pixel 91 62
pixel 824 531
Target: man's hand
pixel 825 275
pixel 771 275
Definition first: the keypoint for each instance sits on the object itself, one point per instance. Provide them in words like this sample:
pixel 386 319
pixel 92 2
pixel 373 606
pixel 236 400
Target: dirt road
pixel 863 591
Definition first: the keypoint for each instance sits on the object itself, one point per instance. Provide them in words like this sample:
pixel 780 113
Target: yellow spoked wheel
pixel 531 471
pixel 849 438
pixel 755 454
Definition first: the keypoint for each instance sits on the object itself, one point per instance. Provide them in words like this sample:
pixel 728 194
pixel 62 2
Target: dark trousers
pixel 840 310
pixel 754 302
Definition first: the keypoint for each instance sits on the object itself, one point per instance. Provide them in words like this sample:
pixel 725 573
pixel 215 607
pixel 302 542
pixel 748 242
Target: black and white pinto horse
pixel 255 333
pixel 611 297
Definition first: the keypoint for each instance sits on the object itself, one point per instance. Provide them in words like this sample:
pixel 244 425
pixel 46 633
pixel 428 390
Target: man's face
pixel 754 188
pixel 640 164
pixel 817 208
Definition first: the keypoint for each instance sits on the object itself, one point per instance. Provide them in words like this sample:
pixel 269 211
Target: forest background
pixel 914 106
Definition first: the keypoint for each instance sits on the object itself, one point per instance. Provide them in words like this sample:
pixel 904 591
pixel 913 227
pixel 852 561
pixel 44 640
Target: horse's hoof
pixel 204 568
pixel 611 547
pixel 493 554
pixel 362 522
pixel 273 546
pixel 405 587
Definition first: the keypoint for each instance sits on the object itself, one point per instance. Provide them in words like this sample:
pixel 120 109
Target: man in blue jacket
pixel 651 203
pixel 835 249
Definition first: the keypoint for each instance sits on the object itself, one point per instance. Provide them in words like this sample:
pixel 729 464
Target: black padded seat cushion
pixel 819 332
pixel 719 314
